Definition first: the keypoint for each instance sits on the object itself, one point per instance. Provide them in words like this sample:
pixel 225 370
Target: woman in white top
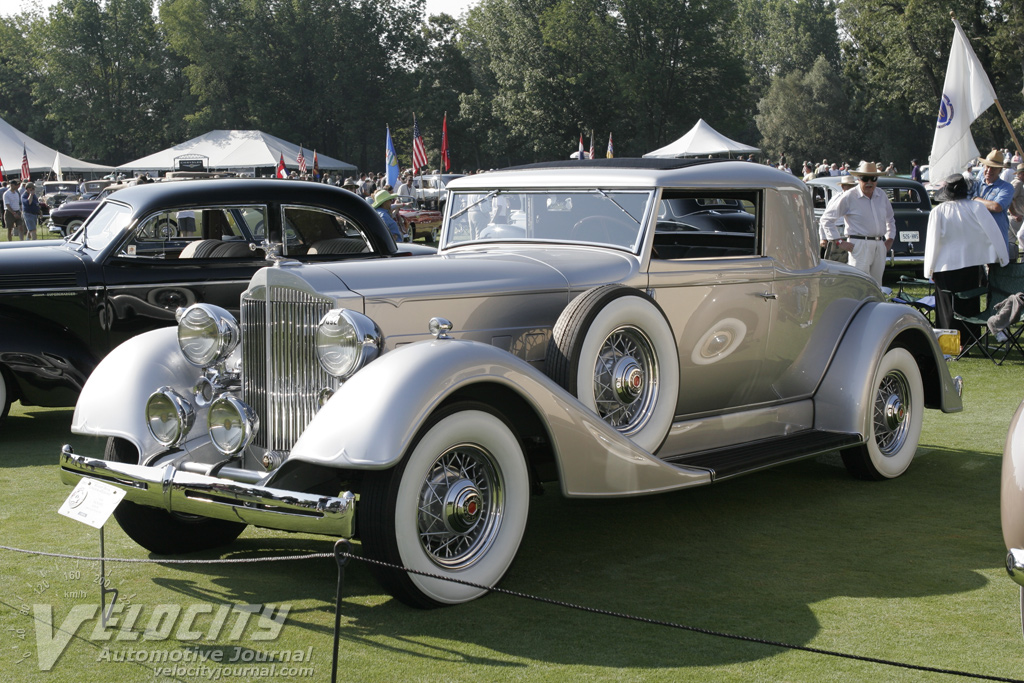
pixel 962 237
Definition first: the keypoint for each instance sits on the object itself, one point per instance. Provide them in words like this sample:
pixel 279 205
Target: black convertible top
pixel 658 164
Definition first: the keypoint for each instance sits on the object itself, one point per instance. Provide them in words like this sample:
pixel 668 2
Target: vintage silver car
pixel 1011 501
pixel 558 335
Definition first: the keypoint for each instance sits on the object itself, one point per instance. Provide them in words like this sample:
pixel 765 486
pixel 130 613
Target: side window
pixel 696 224
pixel 317 232
pixel 820 196
pixel 158 236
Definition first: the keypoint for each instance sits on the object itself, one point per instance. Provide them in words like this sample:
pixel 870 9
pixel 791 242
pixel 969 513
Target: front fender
pixel 48 363
pixel 110 406
pixel 372 420
pixel 845 398
pixel 1011 488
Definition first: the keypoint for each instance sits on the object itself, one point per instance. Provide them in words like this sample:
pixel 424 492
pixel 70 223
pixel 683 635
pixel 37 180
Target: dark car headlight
pixel 346 341
pixel 207 334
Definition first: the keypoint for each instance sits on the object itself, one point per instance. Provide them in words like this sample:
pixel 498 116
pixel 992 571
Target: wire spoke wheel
pixel 626 379
pixel 891 413
pixel 460 506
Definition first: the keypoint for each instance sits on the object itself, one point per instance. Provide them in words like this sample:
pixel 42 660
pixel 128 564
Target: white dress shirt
pixel 962 233
pixel 866 216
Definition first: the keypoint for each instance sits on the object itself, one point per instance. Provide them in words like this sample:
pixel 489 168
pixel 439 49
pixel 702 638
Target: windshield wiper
pixel 612 200
pixel 479 201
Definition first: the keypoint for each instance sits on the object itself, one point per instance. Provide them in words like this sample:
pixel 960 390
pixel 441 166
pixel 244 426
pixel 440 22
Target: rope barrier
pixel 342 555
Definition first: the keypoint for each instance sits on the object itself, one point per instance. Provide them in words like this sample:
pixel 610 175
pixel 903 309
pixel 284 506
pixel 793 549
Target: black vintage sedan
pixel 150 249
pixel 910 206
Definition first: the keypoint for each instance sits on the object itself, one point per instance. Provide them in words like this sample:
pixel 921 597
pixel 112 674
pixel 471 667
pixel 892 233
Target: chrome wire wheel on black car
pixel 896 419
pixel 455 507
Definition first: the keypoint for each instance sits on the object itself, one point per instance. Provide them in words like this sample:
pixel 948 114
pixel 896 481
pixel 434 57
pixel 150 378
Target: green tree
pixel 104 78
pixel 18 60
pixel 807 116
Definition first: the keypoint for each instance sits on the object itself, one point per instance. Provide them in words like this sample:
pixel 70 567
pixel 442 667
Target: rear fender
pixel 372 420
pixel 1011 489
pixel 46 363
pixel 845 397
pixel 113 401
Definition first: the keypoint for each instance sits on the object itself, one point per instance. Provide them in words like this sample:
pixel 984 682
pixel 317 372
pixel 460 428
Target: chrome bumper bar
pixel 1015 565
pixel 175 490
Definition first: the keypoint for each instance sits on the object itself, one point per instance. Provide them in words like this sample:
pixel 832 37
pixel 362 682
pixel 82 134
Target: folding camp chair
pixel 925 304
pixel 1003 281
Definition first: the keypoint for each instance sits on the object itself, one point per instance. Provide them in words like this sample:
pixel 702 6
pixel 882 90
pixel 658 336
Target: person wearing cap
pixel 870 223
pixel 30 204
pixel 962 237
pixel 1017 205
pixel 13 213
pixel 382 203
pixel 994 193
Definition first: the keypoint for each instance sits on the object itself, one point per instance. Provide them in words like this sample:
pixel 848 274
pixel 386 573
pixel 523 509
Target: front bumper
pixel 174 490
pixel 1015 565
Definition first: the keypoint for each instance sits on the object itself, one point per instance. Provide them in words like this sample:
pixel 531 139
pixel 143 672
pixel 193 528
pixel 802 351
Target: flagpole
pixel 952 15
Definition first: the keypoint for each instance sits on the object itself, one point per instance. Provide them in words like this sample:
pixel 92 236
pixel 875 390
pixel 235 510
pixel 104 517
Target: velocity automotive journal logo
pixel 130 627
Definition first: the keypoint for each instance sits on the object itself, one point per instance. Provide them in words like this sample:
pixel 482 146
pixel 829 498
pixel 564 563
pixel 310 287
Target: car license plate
pixel 910 235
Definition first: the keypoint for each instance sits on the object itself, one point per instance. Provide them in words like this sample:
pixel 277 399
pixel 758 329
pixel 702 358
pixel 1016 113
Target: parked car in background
pixel 70 216
pixel 910 204
pixel 150 249
pixel 707 214
pixel 420 221
pixel 56 192
pixel 430 189
pixel 573 342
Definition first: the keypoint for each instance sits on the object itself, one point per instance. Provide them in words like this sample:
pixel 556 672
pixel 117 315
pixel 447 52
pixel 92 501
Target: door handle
pixel 769 295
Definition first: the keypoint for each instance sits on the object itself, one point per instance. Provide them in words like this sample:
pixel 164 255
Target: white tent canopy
pixel 702 140
pixel 13 143
pixel 232 150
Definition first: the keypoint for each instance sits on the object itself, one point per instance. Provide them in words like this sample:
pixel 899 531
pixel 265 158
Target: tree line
pixel 519 80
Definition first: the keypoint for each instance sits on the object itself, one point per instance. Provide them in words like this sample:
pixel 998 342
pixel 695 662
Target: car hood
pixel 484 294
pixel 40 263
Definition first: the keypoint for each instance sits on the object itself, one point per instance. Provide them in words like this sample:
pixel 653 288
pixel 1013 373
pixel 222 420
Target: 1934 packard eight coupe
pixel 559 334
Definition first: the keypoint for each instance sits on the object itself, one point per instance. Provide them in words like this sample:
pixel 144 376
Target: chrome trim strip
pixel 177 491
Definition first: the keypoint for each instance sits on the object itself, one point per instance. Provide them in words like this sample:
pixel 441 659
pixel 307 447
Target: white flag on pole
pixel 966 94
pixel 56 167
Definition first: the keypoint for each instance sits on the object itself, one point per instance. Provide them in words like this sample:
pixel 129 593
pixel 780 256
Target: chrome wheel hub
pixel 626 379
pixel 460 506
pixel 891 416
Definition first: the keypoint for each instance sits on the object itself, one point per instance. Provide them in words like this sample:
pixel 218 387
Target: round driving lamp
pixel 207 334
pixel 169 416
pixel 232 424
pixel 346 341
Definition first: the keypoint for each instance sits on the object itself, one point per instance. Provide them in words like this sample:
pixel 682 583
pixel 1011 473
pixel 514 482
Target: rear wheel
pixel 897 416
pixel 162 532
pixel 5 396
pixel 455 507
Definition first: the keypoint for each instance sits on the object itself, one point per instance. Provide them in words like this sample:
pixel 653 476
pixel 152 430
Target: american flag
pixel 25 173
pixel 591 144
pixel 419 152
pixel 301 159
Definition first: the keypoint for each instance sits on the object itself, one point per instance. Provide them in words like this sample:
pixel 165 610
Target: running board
pixel 758 455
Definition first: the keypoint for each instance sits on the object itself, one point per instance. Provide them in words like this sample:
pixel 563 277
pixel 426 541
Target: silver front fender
pixel 371 421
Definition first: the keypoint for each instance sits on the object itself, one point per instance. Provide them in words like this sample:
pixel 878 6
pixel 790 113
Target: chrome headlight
pixel 207 334
pixel 169 416
pixel 232 424
pixel 346 341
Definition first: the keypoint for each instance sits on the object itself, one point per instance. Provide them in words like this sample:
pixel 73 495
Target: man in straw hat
pixel 382 202
pixel 870 224
pixel 994 193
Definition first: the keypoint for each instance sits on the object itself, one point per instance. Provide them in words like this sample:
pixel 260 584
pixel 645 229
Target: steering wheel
pixel 605 230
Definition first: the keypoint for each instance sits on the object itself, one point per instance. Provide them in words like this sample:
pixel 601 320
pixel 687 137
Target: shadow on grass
pixel 754 557
pixel 26 432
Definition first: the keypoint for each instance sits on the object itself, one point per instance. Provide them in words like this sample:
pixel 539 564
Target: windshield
pixel 105 225
pixel 606 217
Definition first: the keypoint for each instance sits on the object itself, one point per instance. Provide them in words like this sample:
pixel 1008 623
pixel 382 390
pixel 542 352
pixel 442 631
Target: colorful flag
pixel 581 152
pixel 25 174
pixel 281 172
pixel 591 144
pixel 445 158
pixel 419 152
pixel 611 150
pixel 301 159
pixel 391 161
pixel 3 176
pixel 966 93
pixel 316 165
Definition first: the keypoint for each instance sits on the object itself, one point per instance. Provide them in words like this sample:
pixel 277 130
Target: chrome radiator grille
pixel 281 376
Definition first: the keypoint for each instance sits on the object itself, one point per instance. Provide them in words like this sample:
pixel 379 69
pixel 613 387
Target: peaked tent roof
pixel 701 141
pixel 40 157
pixel 227 149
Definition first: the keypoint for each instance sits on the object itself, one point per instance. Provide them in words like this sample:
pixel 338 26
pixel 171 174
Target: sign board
pixel 92 502
pixel 191 165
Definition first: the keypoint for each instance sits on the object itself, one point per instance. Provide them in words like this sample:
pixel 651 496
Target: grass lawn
pixel 909 570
